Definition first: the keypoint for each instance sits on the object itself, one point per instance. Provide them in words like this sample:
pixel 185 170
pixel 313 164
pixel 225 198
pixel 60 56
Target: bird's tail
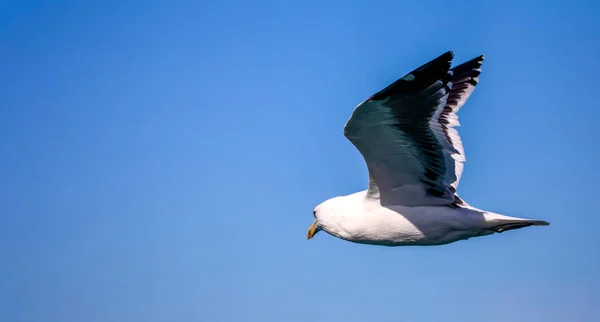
pixel 500 223
pixel 516 224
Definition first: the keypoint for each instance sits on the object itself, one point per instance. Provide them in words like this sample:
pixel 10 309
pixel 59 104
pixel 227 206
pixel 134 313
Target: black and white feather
pixel 406 134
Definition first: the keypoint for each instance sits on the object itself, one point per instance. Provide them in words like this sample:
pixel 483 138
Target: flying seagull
pixel 415 156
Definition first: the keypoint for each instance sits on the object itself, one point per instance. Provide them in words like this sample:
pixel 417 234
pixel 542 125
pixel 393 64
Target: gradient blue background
pixel 160 161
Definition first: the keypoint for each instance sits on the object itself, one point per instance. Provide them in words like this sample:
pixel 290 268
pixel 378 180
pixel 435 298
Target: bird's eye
pixel 314 213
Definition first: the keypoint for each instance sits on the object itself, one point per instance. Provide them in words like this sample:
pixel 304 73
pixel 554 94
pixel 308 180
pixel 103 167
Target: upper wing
pixel 405 134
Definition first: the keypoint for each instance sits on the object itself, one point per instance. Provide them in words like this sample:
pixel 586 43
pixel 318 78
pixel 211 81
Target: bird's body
pixel 415 157
pixel 359 219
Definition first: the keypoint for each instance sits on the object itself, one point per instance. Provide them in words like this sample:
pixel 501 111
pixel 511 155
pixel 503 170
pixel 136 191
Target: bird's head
pixel 325 218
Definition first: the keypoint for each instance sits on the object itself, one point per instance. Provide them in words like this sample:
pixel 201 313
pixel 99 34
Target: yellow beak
pixel 312 230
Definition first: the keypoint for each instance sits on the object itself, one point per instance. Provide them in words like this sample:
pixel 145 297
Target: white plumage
pixel 406 134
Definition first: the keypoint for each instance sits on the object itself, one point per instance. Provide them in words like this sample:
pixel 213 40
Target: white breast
pixel 358 220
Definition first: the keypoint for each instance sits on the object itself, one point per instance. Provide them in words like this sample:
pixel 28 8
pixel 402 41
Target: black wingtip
pixel 447 56
pixel 443 60
pixel 426 74
pixel 477 59
pixel 469 65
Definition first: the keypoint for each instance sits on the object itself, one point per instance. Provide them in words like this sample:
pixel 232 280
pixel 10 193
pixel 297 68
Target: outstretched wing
pixel 405 134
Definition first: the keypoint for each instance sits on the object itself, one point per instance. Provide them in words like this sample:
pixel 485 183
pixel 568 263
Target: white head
pixel 327 218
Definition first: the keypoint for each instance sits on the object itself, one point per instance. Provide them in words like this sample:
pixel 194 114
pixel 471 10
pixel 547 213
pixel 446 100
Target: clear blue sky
pixel 161 161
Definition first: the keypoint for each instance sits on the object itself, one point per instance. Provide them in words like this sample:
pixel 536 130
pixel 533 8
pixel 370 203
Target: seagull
pixel 414 157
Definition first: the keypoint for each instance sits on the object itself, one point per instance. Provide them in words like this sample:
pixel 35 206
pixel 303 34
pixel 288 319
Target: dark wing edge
pixel 464 80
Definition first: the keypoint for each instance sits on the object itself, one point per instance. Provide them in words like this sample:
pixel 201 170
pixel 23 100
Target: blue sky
pixel 160 161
